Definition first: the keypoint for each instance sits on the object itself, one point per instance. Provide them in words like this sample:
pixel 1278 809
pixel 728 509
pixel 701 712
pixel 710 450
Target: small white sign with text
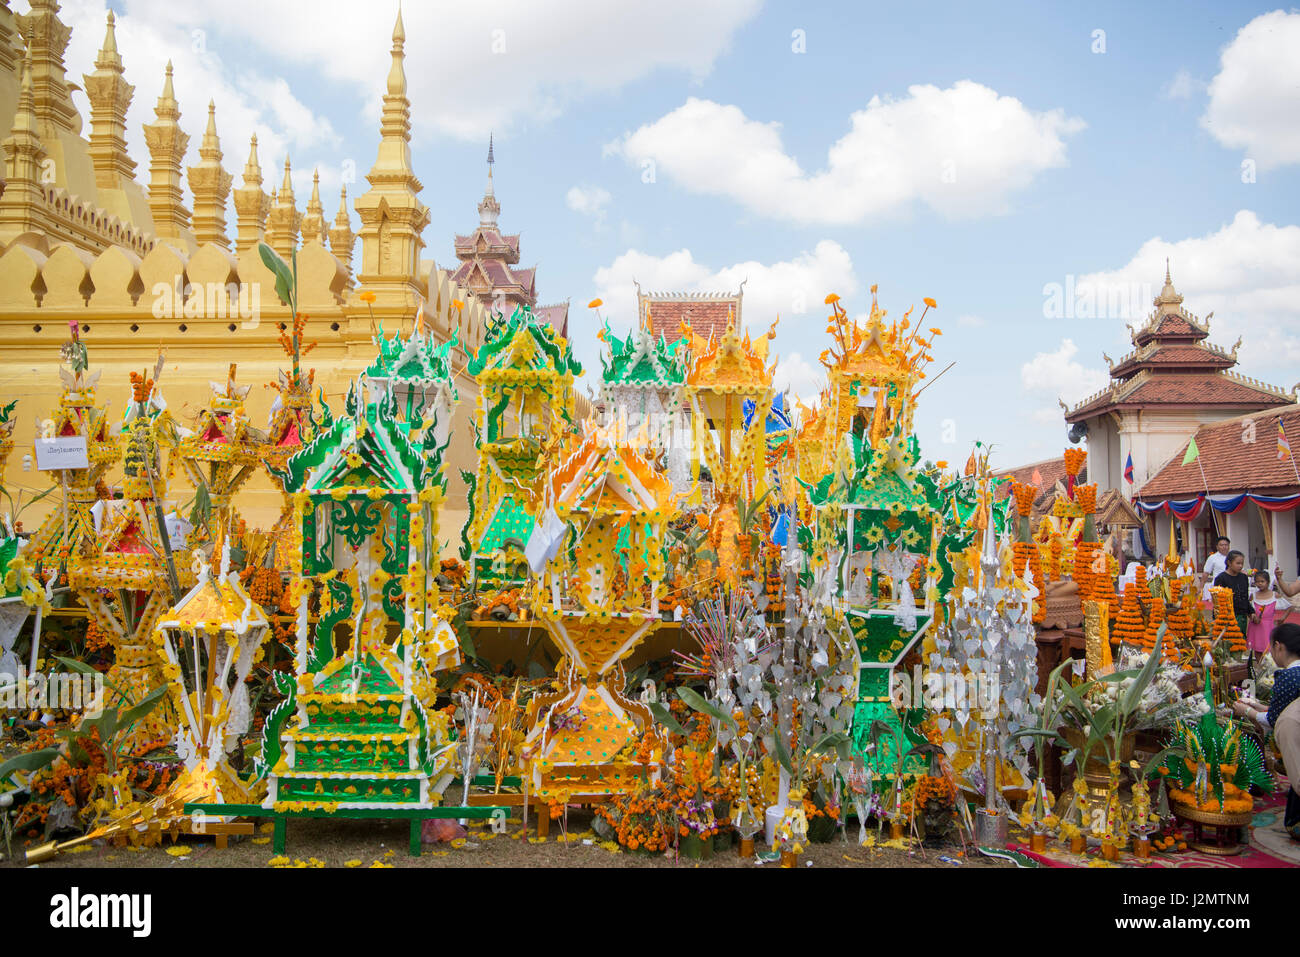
pixel 62 452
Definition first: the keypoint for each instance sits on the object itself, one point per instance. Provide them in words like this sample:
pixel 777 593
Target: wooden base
pixel 415 815
pixel 1229 829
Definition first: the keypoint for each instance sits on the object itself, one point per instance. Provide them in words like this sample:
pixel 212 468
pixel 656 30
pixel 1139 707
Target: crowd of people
pixel 1264 614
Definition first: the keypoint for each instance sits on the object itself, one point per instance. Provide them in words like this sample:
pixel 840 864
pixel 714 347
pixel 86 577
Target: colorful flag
pixel 1128 469
pixel 1037 478
pixel 1283 446
pixel 1192 452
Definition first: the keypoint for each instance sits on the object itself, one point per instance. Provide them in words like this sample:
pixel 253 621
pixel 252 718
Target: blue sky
pixel 1005 151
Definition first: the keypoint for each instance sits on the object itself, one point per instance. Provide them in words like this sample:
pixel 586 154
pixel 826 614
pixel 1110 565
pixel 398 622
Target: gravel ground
pixel 338 843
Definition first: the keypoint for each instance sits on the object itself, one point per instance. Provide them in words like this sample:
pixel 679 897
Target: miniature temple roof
pixel 224 424
pixel 643 359
pixel 522 342
pixel 219 601
pixel 367 447
pixel 732 363
pixel 510 521
pixel 601 475
pixel 417 357
pixel 893 500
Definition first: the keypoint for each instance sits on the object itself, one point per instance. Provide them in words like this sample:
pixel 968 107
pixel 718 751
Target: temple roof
pixel 556 315
pixel 1214 390
pixel 1229 464
pixel 706 313
pixel 1044 474
pixel 1183 357
pixel 487 240
pixel 1173 366
pixel 498 275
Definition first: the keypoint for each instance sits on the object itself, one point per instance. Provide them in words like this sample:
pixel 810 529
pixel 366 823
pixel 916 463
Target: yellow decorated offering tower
pixel 607 510
pixel 133 559
pixel 724 375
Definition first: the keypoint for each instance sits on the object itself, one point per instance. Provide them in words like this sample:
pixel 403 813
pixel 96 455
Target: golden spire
pixel 341 236
pixel 251 203
pixel 397 72
pixel 23 159
pixel 285 218
pixel 1169 300
pixel 392 216
pixel 167 144
pixel 110 97
pixel 47 39
pixel 313 222
pixel 210 184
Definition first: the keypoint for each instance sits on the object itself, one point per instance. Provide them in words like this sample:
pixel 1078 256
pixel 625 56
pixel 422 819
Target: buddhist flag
pixel 1128 469
pixel 1283 446
pixel 1192 452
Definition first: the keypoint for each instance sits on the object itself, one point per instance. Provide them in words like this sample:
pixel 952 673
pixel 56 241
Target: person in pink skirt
pixel 1268 609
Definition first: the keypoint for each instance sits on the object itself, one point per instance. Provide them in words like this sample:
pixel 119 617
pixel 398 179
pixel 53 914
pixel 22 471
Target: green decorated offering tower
pixel 525 372
pixel 357 731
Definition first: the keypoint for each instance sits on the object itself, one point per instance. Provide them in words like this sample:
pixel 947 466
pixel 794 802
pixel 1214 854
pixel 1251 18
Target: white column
pixel 1284 542
pixel 1239 531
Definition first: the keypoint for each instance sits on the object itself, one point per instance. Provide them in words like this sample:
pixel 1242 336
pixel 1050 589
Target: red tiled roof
pixel 1211 390
pixel 1050 471
pixel 1229 462
pixel 706 314
pixel 557 315
pixel 498 273
pixel 495 240
pixel 1179 354
pixel 1170 325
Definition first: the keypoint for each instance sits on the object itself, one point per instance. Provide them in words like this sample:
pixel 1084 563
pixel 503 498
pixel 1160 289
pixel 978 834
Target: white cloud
pixel 1057 374
pixel 961 151
pixel 471 67
pixel 1182 86
pixel 802 378
pixel 1247 273
pixel 1255 98
pixel 971 322
pixel 793 289
pixel 588 201
pixel 247 101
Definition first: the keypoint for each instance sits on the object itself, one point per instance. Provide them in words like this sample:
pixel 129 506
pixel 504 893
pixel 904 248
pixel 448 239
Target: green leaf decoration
pixel 698 703
pixel 283 275
pixel 665 717
pixel 145 705
pixel 31 761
